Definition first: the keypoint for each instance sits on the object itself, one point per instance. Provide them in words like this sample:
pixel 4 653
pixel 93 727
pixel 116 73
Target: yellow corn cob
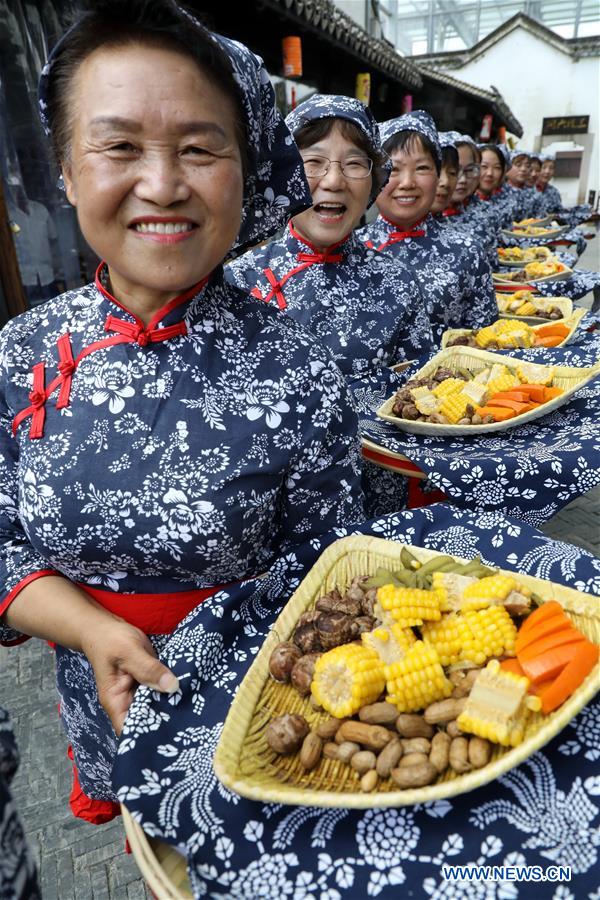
pixel 445 637
pixel 485 633
pixel 498 706
pixel 417 680
pixel 347 678
pixel 526 309
pixel 454 407
pixel 502 383
pixel 533 373
pixel 490 591
pixel 448 386
pixel 409 606
pixel 390 643
pixel 485 335
pixel 449 587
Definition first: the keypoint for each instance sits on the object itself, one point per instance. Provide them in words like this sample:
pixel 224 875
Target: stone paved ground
pixel 85 862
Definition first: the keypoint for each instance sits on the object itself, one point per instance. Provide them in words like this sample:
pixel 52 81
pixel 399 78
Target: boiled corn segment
pixel 425 400
pixel 477 393
pixel 489 591
pixel 409 606
pixel 445 637
pixel 448 386
pixel 417 680
pixel 526 309
pixel 390 643
pixel 531 373
pixel 502 383
pixel 454 407
pixel 346 678
pixel 498 706
pixel 450 587
pixel 485 633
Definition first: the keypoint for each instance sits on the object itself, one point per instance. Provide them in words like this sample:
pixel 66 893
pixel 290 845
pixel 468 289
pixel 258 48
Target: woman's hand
pixel 122 657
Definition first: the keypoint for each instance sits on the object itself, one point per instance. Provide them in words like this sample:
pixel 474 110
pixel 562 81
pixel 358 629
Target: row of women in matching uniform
pixel 173 426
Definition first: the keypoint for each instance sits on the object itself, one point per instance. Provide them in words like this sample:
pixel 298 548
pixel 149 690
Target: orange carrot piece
pixel 512 665
pixel 545 611
pixel 549 665
pixel 551 392
pixel 519 396
pixel 542 629
pixel 499 414
pixel 573 674
pixel 553 340
pixel 535 391
pixel 556 328
pixel 508 404
pixel 566 636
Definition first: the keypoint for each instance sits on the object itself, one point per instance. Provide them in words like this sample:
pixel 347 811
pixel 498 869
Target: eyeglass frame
pixel 475 169
pixel 341 164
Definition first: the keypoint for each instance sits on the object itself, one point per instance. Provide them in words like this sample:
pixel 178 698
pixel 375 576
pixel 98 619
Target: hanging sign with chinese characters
pixel 566 125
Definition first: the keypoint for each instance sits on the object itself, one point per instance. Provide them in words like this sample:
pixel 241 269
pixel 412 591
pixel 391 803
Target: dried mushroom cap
pixel 286 733
pixel 347 604
pixel 364 624
pixel 310 615
pixel 303 671
pixel 335 628
pixel 283 659
pixel 369 602
pixel 306 636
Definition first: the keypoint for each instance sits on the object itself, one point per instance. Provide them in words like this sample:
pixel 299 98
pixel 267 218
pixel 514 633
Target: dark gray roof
pixel 330 22
pixel 492 98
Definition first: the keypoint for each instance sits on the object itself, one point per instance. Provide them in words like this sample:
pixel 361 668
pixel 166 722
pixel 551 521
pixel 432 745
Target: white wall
pixel 537 80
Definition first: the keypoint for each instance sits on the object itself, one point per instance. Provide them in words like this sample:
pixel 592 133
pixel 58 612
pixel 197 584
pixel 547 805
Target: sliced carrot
pixel 538 648
pixel 512 665
pixel 573 674
pixel 549 665
pixel 519 396
pixel 499 414
pixel 542 629
pixel 541 686
pixel 545 611
pixel 553 340
pixel 556 328
pixel 508 404
pixel 551 392
pixel 535 391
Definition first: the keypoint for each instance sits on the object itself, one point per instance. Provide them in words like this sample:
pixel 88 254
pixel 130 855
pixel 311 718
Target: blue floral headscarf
pixel 275 187
pixel 420 122
pixel 448 138
pixel 515 153
pixel 336 106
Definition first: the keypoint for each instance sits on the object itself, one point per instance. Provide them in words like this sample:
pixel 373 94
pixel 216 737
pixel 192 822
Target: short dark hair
pixel 318 129
pixel 449 156
pixel 411 140
pixel 497 152
pixel 117 23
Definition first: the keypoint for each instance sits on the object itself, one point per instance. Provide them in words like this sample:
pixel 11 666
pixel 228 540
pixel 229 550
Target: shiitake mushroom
pixel 282 660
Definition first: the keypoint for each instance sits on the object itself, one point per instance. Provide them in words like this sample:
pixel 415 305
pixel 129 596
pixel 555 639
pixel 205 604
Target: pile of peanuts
pixel 413 749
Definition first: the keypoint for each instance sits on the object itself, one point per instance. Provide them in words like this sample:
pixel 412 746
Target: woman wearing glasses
pixel 364 308
pixel 451 267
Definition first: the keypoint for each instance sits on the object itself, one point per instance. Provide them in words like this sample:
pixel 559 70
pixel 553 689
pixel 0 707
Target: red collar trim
pixel 451 211
pixel 541 189
pixel 162 312
pixel 315 249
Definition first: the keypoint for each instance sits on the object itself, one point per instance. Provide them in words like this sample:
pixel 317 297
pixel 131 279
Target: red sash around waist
pixel 151 613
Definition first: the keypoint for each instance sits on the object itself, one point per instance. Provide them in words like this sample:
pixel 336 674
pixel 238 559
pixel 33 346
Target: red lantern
pixel 292 57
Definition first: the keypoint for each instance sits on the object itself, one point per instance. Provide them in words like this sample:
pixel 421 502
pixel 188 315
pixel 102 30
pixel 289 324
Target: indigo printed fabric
pixel 420 122
pixel 580 283
pixel 18 877
pixel 187 453
pixel 529 472
pixel 453 272
pixel 364 307
pixel 543 813
pixel 550 200
pixel 275 185
pixel 335 106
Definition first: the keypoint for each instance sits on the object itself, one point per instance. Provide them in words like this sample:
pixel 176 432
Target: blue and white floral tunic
pixel 367 310
pixel 507 203
pixel 550 200
pixel 479 220
pixel 545 812
pixel 162 458
pixel 451 267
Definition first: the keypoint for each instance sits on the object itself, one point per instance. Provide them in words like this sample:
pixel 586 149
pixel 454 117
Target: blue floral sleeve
pixel 479 288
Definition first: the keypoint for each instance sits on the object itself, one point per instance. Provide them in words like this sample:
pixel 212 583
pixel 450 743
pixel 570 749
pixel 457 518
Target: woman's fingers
pixel 146 669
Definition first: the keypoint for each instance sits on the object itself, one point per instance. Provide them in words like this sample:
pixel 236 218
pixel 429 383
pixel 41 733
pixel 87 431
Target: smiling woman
pixel 152 446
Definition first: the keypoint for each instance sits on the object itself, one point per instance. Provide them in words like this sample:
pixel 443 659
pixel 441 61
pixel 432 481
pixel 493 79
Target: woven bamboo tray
pixel 504 278
pixel 563 303
pixel 455 358
pixel 163 868
pixel 539 223
pixel 548 233
pixel 572 323
pixel 244 762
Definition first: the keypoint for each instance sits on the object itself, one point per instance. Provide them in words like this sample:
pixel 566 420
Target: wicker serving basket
pixel 572 323
pixel 502 278
pixel 163 868
pixel 548 233
pixel 243 760
pixel 455 358
pixel 564 304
